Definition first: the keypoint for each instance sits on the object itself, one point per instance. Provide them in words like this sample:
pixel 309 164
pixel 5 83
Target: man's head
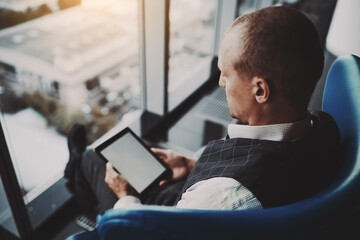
pixel 270 60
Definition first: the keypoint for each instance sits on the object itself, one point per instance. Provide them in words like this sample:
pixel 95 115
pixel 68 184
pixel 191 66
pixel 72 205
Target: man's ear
pixel 261 89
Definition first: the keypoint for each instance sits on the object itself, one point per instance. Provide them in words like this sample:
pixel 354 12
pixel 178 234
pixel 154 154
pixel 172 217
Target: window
pixel 76 63
pixel 191 46
pixel 247 6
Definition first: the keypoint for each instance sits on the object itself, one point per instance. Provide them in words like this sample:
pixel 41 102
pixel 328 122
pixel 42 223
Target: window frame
pixel 158 98
pixel 12 188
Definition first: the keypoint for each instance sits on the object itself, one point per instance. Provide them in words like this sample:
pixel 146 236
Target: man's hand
pixel 117 183
pixel 180 165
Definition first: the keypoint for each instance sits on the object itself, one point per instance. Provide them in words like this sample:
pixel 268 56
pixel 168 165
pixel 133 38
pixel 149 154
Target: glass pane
pixel 64 62
pixel 6 217
pixel 192 29
pixel 247 6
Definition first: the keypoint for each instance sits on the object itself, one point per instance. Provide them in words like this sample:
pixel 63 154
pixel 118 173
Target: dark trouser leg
pixel 165 195
pixel 91 180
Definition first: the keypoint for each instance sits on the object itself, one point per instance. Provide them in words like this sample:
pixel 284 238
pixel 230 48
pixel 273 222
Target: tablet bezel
pixel 165 175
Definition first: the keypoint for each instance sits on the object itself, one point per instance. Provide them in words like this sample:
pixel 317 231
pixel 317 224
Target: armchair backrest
pixel 314 218
pixel 342 100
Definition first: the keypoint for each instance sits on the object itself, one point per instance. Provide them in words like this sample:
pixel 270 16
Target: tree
pixel 10 18
pixel 63 4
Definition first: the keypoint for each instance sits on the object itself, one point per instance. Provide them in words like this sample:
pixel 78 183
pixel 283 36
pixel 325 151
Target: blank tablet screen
pixel 133 161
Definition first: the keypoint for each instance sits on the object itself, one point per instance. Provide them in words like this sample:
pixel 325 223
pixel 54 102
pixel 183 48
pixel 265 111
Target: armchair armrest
pixel 302 220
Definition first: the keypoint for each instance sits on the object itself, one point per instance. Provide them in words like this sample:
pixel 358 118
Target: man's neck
pixel 277 116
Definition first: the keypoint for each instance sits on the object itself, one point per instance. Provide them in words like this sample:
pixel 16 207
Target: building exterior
pixel 22 5
pixel 70 53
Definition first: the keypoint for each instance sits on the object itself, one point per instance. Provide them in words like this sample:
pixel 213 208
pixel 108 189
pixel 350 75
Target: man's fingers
pixel 161 183
pixel 110 171
pixel 158 151
pixel 161 153
pixel 109 166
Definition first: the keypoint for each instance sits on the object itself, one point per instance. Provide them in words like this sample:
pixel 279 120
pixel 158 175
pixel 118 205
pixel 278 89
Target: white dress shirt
pixel 227 193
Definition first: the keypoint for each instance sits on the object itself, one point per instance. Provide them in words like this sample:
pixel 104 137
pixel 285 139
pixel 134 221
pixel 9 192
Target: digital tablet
pixel 134 160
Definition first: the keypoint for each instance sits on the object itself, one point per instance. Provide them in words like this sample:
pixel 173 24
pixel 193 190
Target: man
pixel 270 61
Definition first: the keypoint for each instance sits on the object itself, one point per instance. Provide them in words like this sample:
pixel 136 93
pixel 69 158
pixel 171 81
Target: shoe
pixel 77 142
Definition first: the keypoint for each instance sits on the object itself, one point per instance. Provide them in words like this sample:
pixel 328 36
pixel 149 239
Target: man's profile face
pixel 238 89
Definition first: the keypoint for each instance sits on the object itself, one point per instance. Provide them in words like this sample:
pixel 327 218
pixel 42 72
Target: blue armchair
pixel 317 217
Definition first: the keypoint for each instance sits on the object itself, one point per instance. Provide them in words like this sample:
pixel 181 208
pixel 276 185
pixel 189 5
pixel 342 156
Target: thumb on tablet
pixel 163 182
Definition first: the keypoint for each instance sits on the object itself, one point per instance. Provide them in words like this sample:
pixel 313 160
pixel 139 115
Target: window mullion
pixel 225 16
pixel 154 55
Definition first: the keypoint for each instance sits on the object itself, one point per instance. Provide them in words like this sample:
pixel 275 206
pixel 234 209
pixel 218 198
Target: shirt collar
pixel 276 132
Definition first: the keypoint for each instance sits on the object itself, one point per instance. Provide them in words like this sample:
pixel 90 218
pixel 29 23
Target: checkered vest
pixel 277 173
